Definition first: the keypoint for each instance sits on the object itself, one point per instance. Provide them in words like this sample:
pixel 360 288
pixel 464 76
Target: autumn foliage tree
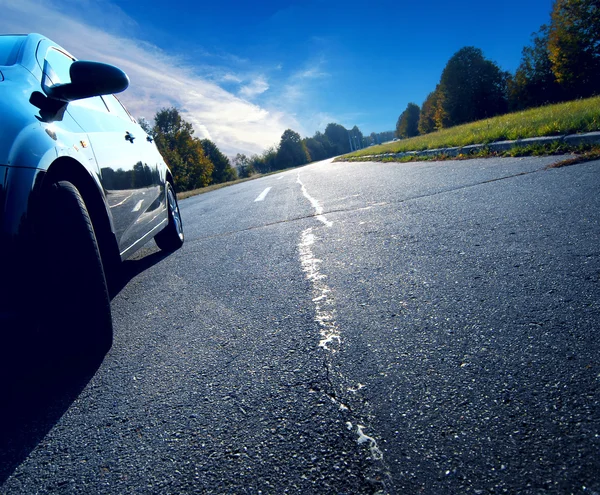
pixel 534 83
pixel 408 122
pixel 574 46
pixel 427 116
pixel 182 152
pixel 563 61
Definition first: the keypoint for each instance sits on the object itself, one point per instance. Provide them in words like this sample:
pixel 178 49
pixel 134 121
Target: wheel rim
pixel 174 208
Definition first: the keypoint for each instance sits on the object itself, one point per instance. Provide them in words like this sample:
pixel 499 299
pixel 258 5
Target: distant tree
pixel 182 152
pixel 200 168
pixel 408 122
pixel 265 162
pixel 325 143
pixel 441 116
pixel 574 46
pixel 534 83
pixel 427 116
pixel 388 135
pixel 243 165
pixel 356 137
pixel 471 88
pixel 315 148
pixel 338 137
pixel 144 124
pixel 222 171
pixel 292 151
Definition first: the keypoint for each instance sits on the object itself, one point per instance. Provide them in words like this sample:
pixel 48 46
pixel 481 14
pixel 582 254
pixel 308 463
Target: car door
pixel 136 192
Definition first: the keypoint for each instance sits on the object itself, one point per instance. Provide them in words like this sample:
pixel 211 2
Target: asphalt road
pixel 401 328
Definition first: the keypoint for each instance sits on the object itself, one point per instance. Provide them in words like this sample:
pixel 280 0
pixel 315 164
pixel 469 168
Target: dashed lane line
pixel 263 195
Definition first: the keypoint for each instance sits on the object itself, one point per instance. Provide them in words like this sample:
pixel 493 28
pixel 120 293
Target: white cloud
pixel 158 79
pixel 229 77
pixel 256 87
pixel 312 73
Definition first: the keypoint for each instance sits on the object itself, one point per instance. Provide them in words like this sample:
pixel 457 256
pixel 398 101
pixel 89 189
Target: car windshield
pixel 9 49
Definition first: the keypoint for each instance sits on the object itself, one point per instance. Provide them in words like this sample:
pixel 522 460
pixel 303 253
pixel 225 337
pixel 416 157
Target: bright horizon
pixel 242 73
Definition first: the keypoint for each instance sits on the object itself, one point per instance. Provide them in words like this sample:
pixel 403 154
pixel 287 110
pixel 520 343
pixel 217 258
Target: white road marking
pixel 263 195
pixel 280 177
pixel 315 204
pixel 324 313
pixel 138 205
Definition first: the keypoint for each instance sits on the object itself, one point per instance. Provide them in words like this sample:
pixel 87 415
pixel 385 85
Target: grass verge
pixel 592 154
pixel 552 120
pixel 581 153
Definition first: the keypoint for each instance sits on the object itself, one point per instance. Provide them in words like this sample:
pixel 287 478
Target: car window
pixel 56 66
pixel 95 102
pixel 9 49
pixel 115 106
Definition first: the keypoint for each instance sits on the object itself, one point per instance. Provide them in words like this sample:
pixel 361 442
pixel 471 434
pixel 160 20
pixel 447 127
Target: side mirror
pixel 89 79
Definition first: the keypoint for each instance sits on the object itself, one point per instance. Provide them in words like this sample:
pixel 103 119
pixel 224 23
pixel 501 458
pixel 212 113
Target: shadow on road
pixel 130 268
pixel 33 403
pixel 38 387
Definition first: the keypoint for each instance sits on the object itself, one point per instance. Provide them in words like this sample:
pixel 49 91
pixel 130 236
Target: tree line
pixel 562 63
pixel 197 163
pixel 293 151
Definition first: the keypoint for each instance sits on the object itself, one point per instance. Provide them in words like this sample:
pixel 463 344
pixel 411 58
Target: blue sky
pixel 243 72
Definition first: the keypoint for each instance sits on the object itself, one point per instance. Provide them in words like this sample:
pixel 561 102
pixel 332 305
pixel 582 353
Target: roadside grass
pixel 592 154
pixel 579 154
pixel 563 118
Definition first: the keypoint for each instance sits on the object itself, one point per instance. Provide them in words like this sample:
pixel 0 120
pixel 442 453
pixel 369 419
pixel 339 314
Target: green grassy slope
pixel 551 120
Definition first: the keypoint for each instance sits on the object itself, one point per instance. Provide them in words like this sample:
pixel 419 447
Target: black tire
pixel 77 316
pixel 171 237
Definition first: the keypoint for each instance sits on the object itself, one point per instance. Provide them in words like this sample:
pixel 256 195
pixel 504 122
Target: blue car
pixel 82 187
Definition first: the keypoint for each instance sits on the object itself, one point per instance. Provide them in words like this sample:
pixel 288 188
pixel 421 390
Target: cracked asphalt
pixel 462 304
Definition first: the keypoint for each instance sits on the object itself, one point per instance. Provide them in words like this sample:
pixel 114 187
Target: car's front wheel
pixel 171 237
pixel 77 317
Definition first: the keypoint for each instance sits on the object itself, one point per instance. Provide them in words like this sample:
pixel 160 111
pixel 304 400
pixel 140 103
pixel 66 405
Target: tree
pixel 182 152
pixel 338 137
pixel 534 83
pixel 292 151
pixel 471 88
pixel 315 149
pixel 144 124
pixel 408 122
pixel 243 165
pixel 265 162
pixel 325 143
pixel 222 171
pixel 574 46
pixel 356 137
pixel 427 116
